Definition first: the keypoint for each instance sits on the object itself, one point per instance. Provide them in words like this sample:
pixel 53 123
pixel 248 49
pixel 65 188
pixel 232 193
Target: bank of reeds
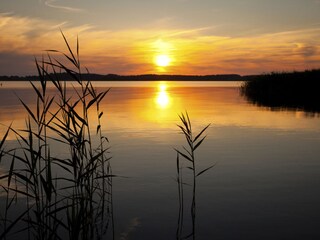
pixel 188 154
pixel 295 90
pixel 66 195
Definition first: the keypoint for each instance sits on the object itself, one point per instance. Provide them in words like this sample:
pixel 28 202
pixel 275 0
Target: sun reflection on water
pixel 163 99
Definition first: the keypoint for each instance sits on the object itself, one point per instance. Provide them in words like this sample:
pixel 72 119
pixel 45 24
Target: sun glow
pixel 162 60
pixel 163 99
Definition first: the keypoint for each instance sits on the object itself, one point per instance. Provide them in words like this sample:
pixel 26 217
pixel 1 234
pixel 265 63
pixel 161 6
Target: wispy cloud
pixel 193 51
pixel 188 32
pixel 27 35
pixel 53 4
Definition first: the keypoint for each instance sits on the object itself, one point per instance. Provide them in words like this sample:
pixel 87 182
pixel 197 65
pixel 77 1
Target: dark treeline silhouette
pixel 295 90
pixel 144 77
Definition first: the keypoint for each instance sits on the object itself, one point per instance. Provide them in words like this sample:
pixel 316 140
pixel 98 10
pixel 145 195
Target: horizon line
pixel 168 75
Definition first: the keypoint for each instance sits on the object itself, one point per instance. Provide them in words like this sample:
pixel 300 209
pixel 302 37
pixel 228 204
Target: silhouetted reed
pixel 188 154
pixel 296 90
pixel 67 195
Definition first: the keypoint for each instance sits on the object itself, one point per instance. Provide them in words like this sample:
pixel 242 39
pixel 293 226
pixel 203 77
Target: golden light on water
pixel 157 105
pixel 163 98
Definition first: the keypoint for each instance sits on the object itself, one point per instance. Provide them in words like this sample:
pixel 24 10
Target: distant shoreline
pixel 168 77
pixel 144 77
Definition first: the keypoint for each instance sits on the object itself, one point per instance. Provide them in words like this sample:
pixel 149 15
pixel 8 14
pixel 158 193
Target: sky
pixel 197 37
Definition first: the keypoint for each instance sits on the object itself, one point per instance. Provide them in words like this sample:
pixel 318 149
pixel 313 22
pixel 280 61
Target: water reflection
pixel 163 98
pixel 155 107
pixel 269 161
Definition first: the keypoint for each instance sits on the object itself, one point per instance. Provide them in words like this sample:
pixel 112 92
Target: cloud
pixel 132 51
pixel 10 62
pixel 307 50
pixel 31 35
pixel 52 4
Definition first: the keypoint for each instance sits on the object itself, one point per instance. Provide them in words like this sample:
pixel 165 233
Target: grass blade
pixel 7 230
pixel 199 143
pixel 184 155
pixel 203 171
pixel 196 138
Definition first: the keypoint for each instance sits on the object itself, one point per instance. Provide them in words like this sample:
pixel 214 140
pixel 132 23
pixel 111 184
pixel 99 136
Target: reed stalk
pixel 74 202
pixel 188 154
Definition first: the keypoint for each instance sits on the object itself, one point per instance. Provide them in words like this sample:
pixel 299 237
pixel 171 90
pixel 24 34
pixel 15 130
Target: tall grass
pixel 292 90
pixel 67 197
pixel 188 154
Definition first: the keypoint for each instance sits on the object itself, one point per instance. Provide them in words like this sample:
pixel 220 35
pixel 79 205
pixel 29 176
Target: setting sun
pixel 111 110
pixel 162 60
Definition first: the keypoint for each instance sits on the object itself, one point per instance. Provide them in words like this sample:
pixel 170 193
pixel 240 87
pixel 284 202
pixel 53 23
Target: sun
pixel 162 60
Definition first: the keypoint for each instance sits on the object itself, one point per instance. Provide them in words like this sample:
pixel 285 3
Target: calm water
pixel 266 184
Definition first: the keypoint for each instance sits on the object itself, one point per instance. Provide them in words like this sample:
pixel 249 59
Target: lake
pixel 265 183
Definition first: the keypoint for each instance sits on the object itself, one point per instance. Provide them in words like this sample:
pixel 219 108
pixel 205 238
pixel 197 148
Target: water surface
pixel 266 182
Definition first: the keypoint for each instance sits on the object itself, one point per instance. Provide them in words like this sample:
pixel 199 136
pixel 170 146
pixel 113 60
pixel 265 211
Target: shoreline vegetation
pixel 306 75
pixel 287 90
pixel 69 193
pixel 64 194
pixel 142 77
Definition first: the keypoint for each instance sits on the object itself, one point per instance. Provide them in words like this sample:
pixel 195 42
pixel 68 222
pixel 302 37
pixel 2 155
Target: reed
pixel 286 90
pixel 188 154
pixel 70 195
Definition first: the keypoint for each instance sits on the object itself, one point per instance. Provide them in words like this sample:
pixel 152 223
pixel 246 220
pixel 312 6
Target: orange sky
pixel 131 47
